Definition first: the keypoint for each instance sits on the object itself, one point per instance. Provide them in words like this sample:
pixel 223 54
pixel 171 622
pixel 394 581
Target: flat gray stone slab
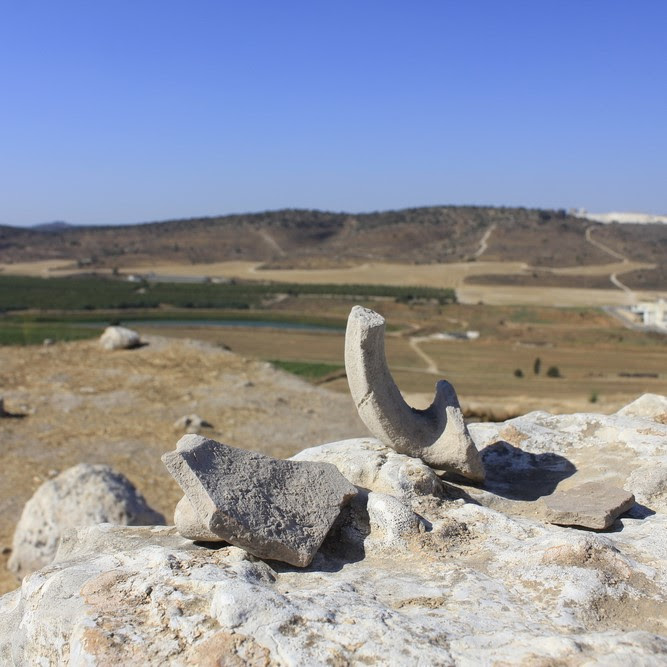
pixel 275 509
pixel 591 505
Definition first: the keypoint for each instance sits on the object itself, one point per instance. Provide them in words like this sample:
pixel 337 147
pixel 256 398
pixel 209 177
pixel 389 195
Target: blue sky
pixel 118 111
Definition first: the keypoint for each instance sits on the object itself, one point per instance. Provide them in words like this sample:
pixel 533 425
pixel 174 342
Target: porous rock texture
pixel 83 495
pixel 413 578
pixel 272 508
pixel 119 338
pixel 371 465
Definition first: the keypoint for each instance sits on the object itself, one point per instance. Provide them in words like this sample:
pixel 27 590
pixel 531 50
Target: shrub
pixel 537 365
pixel 553 372
pixel 518 373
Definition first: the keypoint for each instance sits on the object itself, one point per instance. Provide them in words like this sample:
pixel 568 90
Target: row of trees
pixel 552 371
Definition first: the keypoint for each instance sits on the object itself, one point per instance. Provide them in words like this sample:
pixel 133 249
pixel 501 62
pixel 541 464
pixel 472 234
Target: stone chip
pixel 592 505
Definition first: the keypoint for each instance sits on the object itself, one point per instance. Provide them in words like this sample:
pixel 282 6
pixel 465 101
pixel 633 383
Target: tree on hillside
pixel 537 365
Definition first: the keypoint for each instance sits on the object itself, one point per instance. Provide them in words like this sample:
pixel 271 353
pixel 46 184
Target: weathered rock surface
pixel 275 509
pixel 191 423
pixel 592 505
pixel 189 524
pixel 437 435
pixel 651 406
pixel 80 496
pixel 367 463
pixel 400 579
pixel 529 457
pixel 119 338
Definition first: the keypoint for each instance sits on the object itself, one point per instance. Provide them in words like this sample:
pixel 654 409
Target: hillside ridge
pixel 303 238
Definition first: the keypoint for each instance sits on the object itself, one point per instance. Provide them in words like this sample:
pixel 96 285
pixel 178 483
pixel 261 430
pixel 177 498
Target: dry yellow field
pixel 481 370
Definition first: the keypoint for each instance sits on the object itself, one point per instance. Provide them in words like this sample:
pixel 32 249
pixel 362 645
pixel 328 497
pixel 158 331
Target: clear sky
pixel 118 111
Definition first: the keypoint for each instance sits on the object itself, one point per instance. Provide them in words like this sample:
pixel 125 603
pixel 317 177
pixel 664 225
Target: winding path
pixel 616 255
pixel 484 241
pixel 431 366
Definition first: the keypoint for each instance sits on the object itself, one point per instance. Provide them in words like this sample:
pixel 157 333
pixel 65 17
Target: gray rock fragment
pixel 119 338
pixel 437 435
pixel 84 495
pixel 280 510
pixel 591 505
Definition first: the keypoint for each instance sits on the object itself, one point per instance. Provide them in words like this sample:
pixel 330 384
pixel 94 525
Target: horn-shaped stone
pixel 437 435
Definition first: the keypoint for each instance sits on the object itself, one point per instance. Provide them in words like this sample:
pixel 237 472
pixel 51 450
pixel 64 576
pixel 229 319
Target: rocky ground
pixel 74 402
pixel 418 568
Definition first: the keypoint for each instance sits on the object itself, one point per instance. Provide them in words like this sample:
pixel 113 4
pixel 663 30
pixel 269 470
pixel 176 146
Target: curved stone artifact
pixel 437 435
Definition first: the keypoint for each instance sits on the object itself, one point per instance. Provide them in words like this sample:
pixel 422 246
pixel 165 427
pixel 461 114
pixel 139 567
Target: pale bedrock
pixel 512 591
pixel 651 406
pixel 119 338
pixel 437 435
pixel 367 463
pixel 275 509
pixel 79 496
pixel 530 457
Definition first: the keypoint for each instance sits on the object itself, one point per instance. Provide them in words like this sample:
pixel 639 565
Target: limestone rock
pixel 192 423
pixel 119 338
pixel 591 505
pixel 504 591
pixel 649 484
pixel 651 406
pixel 392 524
pixel 367 463
pixel 464 585
pixel 190 525
pixel 275 509
pixel 437 435
pixel 80 496
pixel 529 457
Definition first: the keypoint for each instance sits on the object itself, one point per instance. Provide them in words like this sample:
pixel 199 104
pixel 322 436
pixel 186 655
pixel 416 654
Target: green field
pixel 97 293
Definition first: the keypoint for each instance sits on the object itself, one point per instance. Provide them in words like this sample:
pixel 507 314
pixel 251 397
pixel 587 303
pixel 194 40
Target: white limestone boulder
pixel 119 338
pixel 650 406
pixel 80 496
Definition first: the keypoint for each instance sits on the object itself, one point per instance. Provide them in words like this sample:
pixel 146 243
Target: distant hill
pixel 56 226
pixel 293 238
